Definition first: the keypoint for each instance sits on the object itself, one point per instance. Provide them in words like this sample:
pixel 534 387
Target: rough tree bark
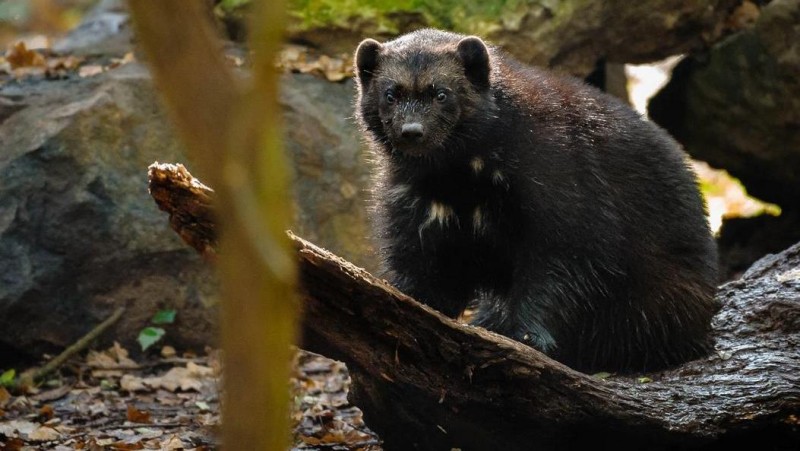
pixel 425 381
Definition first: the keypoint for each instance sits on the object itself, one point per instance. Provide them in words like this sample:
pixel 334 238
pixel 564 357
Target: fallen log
pixel 425 381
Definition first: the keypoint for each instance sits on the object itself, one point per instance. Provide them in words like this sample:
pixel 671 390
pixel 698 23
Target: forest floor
pixel 107 401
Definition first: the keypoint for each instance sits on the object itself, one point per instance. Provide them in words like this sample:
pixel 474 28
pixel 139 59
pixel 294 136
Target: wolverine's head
pixel 418 93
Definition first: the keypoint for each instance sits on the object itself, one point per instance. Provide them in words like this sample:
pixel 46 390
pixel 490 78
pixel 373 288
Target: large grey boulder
pixel 738 107
pixel 104 30
pixel 571 35
pixel 331 166
pixel 79 235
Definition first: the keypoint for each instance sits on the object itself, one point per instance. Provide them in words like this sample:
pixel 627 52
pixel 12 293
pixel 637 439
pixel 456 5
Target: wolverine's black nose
pixel 412 131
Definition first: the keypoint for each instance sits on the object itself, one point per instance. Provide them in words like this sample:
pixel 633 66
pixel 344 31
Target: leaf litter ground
pixel 107 401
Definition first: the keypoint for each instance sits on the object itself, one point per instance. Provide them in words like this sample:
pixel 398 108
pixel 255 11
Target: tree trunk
pixel 425 381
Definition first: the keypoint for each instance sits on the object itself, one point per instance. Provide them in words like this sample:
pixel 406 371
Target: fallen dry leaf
pixel 132 383
pixel 19 56
pixel 46 412
pixel 99 359
pixel 168 352
pixel 15 428
pixel 120 353
pixel 199 370
pixel 191 377
pixel 90 70
pixel 13 444
pixel 138 416
pixel 301 59
pixel 5 396
pixel 173 443
pixel 61 67
pixel 108 363
pixel 127 58
pixel 122 446
pixel 44 434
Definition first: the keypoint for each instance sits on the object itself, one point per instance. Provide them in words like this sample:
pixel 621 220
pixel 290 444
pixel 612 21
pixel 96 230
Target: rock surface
pixel 570 35
pixel 738 107
pixel 79 233
pixel 331 166
pixel 742 241
pixel 104 30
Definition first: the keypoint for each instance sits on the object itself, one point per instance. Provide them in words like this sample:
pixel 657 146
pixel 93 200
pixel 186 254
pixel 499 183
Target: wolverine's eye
pixel 441 96
pixel 390 98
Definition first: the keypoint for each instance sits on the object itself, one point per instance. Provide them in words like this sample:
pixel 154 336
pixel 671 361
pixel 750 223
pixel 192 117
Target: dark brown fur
pixel 573 224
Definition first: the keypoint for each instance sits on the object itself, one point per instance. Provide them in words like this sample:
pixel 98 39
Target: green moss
pixel 458 15
pixel 461 15
pixel 466 16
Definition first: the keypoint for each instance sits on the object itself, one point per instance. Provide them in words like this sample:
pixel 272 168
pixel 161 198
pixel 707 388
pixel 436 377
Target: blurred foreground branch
pixel 230 132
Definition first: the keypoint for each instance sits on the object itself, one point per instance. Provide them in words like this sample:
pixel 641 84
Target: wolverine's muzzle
pixel 412 139
pixel 412 131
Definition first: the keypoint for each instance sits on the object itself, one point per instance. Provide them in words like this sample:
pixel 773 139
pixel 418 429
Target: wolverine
pixel 571 223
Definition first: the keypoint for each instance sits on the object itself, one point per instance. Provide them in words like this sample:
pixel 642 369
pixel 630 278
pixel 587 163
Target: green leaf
pixel 149 336
pixel 202 406
pixel 233 4
pixel 7 378
pixel 164 317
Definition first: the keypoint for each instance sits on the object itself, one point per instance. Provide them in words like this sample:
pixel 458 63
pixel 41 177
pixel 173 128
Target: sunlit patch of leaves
pixel 726 197
pixel 299 59
pixel 21 62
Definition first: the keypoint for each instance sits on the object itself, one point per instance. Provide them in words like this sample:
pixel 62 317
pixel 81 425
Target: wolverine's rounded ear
pixel 367 59
pixel 475 55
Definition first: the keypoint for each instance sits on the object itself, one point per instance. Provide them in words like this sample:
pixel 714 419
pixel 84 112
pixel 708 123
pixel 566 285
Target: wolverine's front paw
pixel 537 338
